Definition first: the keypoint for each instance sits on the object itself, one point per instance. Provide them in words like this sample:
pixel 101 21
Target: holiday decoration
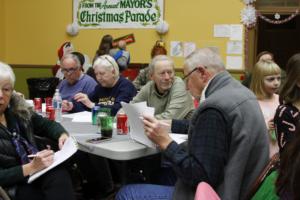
pixel 162 27
pixel 248 1
pixel 248 16
pixel 72 29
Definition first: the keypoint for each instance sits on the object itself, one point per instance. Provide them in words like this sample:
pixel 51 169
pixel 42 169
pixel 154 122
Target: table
pixel 121 147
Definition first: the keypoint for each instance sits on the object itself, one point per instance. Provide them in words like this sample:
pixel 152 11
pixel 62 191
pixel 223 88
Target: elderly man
pixel 166 93
pixel 227 143
pixel 112 88
pixel 75 81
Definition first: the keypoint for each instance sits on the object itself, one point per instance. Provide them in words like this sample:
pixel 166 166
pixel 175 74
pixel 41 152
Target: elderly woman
pixel 18 124
pixel 112 88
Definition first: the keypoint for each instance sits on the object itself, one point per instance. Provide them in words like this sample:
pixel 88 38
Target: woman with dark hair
pixel 105 46
pixel 143 76
pixel 287 115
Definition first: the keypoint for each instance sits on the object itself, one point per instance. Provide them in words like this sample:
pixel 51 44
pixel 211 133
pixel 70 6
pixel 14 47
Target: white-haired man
pixel 227 143
pixel 166 92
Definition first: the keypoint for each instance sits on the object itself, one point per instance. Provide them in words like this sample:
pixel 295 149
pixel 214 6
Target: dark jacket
pixel 29 123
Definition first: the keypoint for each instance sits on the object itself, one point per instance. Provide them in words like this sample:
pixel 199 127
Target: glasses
pixel 69 71
pixel 189 73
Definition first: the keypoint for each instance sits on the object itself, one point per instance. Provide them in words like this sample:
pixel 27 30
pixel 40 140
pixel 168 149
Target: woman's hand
pixel 67 105
pixel 271 125
pixel 157 131
pixel 62 139
pixel 42 160
pixel 83 98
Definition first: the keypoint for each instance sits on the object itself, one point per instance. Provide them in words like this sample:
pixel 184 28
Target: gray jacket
pixel 249 149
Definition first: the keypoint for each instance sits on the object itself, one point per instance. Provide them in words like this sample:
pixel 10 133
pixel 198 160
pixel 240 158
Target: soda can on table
pixel 122 125
pixel 37 104
pixel 50 113
pixel 95 112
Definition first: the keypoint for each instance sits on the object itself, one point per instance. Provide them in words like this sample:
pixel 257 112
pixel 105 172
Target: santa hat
pixel 66 47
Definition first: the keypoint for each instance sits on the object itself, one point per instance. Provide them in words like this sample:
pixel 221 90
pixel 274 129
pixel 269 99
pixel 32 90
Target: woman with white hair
pixel 18 125
pixel 112 88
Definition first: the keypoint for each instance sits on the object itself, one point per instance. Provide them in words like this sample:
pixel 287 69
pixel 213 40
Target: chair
pixel 42 87
pixel 206 192
pixel 271 167
pixel 3 194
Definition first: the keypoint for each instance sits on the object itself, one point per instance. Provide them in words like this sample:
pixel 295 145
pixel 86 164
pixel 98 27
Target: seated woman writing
pixel 18 125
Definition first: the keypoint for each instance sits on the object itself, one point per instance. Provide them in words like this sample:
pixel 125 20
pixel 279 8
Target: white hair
pixel 107 62
pixel 7 72
pixel 205 57
pixel 159 58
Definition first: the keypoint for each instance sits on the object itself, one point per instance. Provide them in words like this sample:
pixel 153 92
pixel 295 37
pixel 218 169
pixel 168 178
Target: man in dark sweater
pixel 112 88
pixel 227 143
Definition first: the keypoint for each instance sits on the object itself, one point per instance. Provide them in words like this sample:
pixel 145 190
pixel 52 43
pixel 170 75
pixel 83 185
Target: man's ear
pixel 204 73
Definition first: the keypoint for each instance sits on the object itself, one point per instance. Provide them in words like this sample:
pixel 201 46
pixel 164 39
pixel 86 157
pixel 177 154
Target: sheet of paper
pixel 84 116
pixel 179 138
pixel 235 47
pixel 221 30
pixel 134 112
pixel 188 48
pixel 69 148
pixel 176 48
pixel 236 32
pixel 234 62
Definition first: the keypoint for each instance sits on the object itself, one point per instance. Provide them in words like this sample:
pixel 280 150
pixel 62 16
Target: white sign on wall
pixel 94 14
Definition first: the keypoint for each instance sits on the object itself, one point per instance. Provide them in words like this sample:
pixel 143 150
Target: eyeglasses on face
pixel 189 73
pixel 69 71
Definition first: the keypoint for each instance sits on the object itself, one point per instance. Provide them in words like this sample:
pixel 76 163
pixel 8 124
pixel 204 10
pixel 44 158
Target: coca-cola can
pixel 50 113
pixel 37 104
pixel 122 126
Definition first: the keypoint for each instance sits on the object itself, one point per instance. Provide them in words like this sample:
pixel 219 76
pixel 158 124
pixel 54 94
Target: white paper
pixel 69 148
pixel 234 62
pixel 134 112
pixel 176 48
pixel 84 116
pixel 221 30
pixel 179 138
pixel 235 47
pixel 236 32
pixel 188 48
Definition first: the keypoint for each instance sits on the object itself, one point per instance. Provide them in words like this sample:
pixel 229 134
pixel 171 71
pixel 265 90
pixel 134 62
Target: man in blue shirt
pixel 75 81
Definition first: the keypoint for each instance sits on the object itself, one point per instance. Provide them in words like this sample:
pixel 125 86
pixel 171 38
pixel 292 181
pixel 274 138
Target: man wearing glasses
pixel 166 92
pixel 75 81
pixel 227 143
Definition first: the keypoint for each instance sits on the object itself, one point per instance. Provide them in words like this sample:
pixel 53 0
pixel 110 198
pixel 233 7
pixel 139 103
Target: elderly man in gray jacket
pixel 227 143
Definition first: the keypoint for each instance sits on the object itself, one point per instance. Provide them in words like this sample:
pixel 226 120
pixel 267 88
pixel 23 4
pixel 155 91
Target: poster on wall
pixel 104 14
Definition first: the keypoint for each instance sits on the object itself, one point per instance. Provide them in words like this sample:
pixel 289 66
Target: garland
pixel 249 17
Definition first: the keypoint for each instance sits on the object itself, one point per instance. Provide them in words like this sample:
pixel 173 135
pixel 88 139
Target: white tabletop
pixel 121 147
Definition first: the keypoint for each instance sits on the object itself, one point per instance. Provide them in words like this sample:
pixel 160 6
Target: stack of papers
pixel 137 132
pixel 69 148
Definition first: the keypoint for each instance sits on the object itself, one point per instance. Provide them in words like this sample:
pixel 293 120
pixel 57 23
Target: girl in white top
pixel 266 79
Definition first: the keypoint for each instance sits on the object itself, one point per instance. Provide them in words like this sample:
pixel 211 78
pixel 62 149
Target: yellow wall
pixel 2 30
pixel 34 29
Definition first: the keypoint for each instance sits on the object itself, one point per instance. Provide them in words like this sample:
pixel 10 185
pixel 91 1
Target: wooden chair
pixel 271 166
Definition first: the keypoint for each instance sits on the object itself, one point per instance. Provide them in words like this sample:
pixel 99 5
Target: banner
pixel 94 14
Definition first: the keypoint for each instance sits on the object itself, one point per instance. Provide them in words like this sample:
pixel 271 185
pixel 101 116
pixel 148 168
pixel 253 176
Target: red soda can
pixel 122 126
pixel 37 104
pixel 50 113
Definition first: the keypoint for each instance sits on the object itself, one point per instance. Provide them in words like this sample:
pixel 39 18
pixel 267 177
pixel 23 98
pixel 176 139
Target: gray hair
pixel 159 58
pixel 107 62
pixel 7 72
pixel 206 57
pixel 72 56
